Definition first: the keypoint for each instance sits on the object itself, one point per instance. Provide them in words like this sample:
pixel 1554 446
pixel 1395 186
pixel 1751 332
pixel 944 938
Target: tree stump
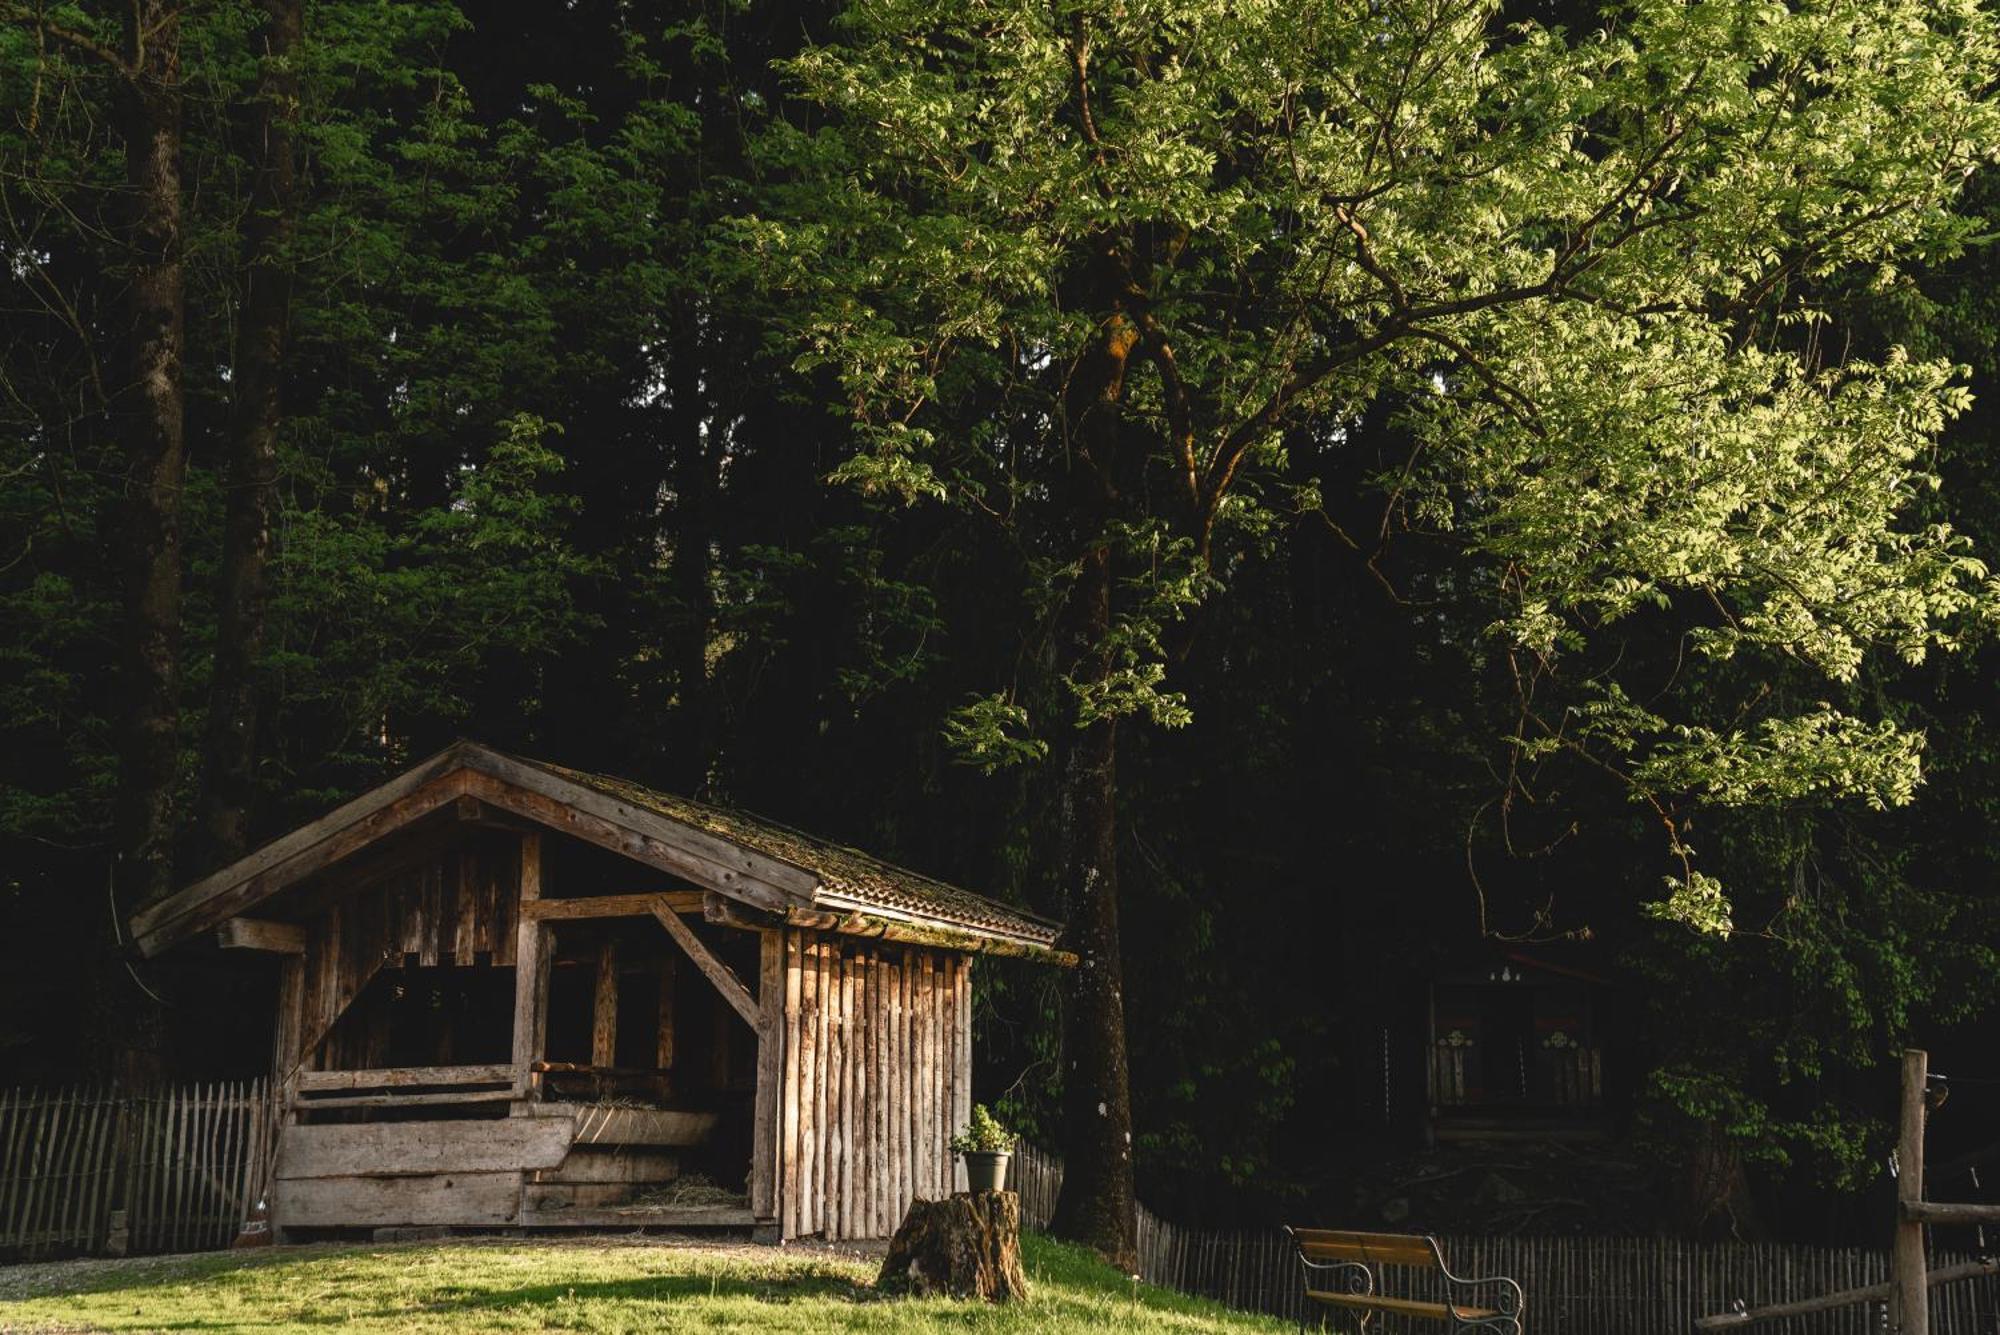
pixel 966 1246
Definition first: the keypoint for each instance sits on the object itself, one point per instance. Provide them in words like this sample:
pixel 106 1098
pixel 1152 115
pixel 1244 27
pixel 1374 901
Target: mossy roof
pixel 843 871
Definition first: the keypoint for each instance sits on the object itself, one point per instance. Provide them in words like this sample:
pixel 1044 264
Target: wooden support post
pixel 531 970
pixel 1912 1302
pixel 786 1161
pixel 720 1057
pixel 289 1032
pixel 604 1011
pixel 770 1044
pixel 665 1058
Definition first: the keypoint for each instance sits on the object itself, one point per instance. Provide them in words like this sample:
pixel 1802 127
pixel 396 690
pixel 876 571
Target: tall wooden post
pixel 531 970
pixel 1912 1296
pixel 604 1006
pixel 765 1129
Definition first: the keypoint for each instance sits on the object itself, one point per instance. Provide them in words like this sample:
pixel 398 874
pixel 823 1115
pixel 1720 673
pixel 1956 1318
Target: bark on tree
pixel 147 415
pixel 243 581
pixel 1097 1205
pixel 964 1246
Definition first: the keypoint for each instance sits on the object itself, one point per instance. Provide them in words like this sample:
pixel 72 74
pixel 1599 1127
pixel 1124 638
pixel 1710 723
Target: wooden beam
pixel 471 811
pixel 726 912
pixel 298 855
pixel 405 1100
pixel 724 978
pixel 638 844
pixel 395 1077
pixel 731 862
pixel 1827 1302
pixel 464 1200
pixel 613 906
pixel 1943 1212
pixel 403 1149
pixel 500 783
pixel 637 1216
pixel 283 938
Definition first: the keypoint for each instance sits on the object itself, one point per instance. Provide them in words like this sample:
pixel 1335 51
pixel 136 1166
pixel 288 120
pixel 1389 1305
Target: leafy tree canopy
pixel 1578 270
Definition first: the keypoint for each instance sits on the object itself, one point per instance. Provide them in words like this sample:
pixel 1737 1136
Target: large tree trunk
pixel 147 415
pixel 694 455
pixel 243 583
pixel 1097 1204
pixel 147 420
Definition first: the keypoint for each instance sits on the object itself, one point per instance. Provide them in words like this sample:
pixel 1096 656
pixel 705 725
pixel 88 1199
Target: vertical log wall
pixel 874 1076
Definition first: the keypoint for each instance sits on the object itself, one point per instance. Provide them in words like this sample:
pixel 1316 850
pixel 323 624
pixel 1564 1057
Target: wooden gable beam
pixel 284 938
pixel 477 783
pixel 638 832
pixel 724 977
pixel 286 861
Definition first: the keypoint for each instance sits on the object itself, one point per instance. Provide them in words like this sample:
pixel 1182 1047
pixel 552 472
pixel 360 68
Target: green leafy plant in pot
pixel 985 1146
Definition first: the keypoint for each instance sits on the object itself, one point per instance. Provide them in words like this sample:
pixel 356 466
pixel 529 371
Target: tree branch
pixel 80 42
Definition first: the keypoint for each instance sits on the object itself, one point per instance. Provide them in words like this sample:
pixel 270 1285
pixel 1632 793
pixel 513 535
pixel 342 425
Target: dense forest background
pixel 546 470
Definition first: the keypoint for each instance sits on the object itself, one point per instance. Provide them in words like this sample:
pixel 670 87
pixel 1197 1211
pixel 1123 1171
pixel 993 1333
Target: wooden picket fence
pixel 90 1170
pixel 1575 1285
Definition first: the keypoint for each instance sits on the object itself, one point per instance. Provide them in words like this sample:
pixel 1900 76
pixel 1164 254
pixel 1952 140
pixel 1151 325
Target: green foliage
pixel 377 621
pixel 1563 261
pixel 982 1135
pixel 986 731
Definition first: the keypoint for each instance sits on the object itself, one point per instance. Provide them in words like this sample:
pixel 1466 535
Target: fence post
pixel 1912 1295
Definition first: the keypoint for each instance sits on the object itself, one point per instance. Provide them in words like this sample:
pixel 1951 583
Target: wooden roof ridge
pixel 769 867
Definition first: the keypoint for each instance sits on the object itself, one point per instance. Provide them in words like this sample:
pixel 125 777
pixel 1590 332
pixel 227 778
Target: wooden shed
pixel 517 995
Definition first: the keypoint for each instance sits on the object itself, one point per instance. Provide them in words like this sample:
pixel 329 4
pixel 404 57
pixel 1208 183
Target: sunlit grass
pixel 581 1285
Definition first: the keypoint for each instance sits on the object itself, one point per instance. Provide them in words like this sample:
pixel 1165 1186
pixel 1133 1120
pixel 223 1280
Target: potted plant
pixel 985 1146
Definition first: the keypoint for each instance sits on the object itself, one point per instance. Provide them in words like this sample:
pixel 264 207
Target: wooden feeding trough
pixel 517 995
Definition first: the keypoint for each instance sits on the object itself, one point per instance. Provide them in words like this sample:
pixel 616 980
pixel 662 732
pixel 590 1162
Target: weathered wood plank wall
pixel 874 1070
pixel 1575 1285
pixel 457 906
pixel 86 1170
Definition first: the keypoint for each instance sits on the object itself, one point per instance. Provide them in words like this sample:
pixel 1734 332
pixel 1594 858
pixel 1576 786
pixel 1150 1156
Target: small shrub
pixel 983 1135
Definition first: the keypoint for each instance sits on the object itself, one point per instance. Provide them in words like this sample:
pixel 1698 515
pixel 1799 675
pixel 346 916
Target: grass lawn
pixel 596 1284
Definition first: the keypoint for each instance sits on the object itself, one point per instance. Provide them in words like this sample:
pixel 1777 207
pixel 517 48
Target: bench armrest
pixel 1506 1298
pixel 1353 1276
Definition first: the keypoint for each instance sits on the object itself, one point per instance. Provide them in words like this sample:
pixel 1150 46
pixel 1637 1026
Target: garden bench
pixel 1344 1269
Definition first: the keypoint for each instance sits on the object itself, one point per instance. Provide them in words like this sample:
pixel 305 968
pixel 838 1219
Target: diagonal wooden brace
pixel 724 978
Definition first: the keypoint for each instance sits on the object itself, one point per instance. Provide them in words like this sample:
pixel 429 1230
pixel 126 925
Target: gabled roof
pixel 757 862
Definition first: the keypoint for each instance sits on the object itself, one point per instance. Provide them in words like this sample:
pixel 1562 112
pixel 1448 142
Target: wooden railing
pixel 1565 1077
pixel 91 1171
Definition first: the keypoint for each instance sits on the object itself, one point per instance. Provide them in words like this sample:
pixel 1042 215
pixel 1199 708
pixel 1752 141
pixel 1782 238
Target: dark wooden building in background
pixel 1517 1051
pixel 517 995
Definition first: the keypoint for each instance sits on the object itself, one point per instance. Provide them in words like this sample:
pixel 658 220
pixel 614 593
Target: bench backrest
pixel 1325 1244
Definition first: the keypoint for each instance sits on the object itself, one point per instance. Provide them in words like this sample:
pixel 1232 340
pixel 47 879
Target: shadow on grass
pixel 165 1284
pixel 807 1285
